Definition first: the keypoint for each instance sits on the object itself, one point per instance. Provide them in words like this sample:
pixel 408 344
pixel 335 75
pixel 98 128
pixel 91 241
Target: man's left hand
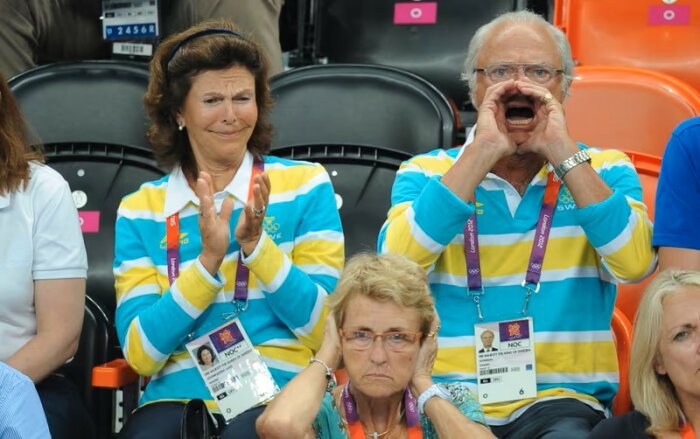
pixel 550 138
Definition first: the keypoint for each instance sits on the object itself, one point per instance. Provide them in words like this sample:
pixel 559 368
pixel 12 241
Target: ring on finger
pixel 258 212
pixel 547 98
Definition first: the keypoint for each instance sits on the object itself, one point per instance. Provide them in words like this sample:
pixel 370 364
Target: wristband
pixel 434 390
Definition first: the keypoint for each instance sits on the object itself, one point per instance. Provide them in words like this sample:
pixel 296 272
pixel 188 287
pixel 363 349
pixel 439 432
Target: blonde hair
pixel 385 278
pixel 653 394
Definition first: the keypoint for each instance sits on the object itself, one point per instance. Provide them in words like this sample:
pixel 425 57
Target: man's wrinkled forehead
pixel 530 43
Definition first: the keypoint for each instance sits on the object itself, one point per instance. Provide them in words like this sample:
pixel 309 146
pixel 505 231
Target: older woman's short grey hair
pixel 513 18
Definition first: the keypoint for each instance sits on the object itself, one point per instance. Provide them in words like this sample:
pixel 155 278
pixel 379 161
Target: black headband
pixel 196 35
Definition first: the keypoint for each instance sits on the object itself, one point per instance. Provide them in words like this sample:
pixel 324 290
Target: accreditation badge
pixel 237 378
pixel 505 360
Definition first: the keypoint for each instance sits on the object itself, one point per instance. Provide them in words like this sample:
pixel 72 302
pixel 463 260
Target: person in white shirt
pixel 43 266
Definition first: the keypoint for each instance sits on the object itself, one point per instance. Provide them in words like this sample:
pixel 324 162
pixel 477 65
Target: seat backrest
pixel 622 333
pixel 360 104
pixel 627 108
pixel 648 168
pixel 88 101
pixel 96 346
pixel 429 38
pixel 655 34
pixel 362 178
pixel 99 175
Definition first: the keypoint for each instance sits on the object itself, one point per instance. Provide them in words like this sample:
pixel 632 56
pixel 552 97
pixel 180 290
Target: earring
pixel 180 127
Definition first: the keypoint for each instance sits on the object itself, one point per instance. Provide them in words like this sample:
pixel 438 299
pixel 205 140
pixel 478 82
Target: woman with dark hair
pixel 205 356
pixel 43 267
pixel 229 233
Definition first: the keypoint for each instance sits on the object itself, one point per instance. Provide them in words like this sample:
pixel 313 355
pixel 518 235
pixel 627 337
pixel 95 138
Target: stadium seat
pixel 95 347
pixel 622 333
pixel 660 35
pixel 648 168
pixel 360 104
pixel 87 101
pixel 99 175
pixel 362 177
pixel 627 108
pixel 429 38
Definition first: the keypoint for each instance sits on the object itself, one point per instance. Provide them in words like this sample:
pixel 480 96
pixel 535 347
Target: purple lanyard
pixel 539 246
pixel 172 225
pixel 351 415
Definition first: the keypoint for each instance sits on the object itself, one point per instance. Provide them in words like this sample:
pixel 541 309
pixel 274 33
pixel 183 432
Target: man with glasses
pixel 525 233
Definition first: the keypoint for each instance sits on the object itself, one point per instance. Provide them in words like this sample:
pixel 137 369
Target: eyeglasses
pixel 396 341
pixel 539 73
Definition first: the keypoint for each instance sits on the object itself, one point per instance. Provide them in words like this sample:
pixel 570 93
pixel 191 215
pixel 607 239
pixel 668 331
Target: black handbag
pixel 196 423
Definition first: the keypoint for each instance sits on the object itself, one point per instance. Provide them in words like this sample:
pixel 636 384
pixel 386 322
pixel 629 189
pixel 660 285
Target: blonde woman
pixel 386 337
pixel 665 363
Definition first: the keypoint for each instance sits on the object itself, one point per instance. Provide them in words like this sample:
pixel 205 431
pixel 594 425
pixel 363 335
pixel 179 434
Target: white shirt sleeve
pixel 59 250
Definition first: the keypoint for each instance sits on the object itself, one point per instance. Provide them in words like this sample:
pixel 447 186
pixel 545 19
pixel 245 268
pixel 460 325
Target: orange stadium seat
pixel 622 333
pixel 627 108
pixel 655 34
pixel 648 167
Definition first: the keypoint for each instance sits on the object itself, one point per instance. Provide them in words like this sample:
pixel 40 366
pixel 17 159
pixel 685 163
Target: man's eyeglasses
pixel 396 341
pixel 539 73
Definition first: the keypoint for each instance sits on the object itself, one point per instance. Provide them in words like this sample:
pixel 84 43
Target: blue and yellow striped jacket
pixel 589 249
pixel 295 265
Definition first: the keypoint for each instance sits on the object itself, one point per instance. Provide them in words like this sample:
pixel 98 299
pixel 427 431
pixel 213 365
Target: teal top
pixel 329 425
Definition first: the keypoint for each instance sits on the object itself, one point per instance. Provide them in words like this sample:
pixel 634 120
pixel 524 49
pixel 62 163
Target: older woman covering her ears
pixel 382 328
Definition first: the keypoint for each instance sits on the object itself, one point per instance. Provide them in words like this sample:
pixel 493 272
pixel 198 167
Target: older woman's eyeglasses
pixel 393 340
pixel 539 73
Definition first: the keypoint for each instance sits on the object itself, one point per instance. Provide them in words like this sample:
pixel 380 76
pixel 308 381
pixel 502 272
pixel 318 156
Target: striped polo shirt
pixel 589 250
pixel 296 263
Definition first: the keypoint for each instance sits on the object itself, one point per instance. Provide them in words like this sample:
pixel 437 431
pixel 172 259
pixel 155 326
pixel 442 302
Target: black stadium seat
pixel 360 104
pixel 362 177
pixel 99 175
pixel 96 346
pixel 429 38
pixel 87 101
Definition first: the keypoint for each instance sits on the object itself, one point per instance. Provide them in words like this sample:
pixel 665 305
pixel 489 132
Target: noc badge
pixel 237 378
pixel 505 360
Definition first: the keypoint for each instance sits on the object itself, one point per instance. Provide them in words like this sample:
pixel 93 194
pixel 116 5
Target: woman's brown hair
pixel 173 68
pixel 14 154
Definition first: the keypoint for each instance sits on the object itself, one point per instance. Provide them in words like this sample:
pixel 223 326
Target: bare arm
pixel 447 419
pixel 679 258
pixel 60 306
pixel 490 144
pixel 551 140
pixel 292 412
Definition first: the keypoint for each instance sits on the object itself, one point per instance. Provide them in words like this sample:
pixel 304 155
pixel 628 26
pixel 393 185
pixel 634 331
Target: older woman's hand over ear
pixel 423 372
pixel 213 227
pixel 249 227
pixel 330 351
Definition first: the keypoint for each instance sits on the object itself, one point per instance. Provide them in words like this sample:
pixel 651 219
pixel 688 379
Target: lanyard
pixel 687 431
pixel 356 429
pixel 172 233
pixel 531 283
